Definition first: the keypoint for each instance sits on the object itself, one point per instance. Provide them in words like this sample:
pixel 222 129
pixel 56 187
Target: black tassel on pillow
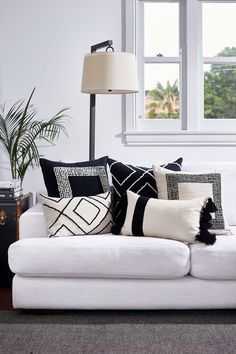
pixel 205 220
pixel 205 223
pixel 206 237
pixel 210 206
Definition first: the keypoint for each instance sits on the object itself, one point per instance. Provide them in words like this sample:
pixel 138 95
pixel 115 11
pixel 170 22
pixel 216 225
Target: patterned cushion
pixel 173 219
pixel 191 185
pixel 139 180
pixel 78 215
pixel 75 179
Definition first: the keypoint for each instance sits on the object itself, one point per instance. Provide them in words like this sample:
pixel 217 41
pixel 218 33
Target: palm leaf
pixel 19 132
pixel 4 140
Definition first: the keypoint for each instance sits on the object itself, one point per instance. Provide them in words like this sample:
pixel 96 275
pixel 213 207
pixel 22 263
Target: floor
pixel 5 299
pixel 132 332
pixel 159 332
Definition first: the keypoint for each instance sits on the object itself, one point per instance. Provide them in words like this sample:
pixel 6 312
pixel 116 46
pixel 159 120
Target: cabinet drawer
pixel 9 215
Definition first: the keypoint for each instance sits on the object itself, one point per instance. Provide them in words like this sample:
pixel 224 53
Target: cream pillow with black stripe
pixel 173 219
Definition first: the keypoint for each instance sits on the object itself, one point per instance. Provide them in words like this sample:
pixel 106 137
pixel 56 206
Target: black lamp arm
pixel 101 45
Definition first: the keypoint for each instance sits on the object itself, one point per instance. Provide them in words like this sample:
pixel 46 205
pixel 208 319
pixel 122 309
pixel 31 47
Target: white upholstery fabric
pixel 214 262
pixel 228 174
pixel 233 230
pixel 82 293
pixel 100 256
pixel 32 223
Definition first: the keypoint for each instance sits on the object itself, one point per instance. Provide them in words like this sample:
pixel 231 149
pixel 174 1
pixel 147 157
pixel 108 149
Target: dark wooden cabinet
pixel 10 212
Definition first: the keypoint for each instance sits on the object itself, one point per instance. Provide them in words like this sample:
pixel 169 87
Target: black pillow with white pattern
pixel 137 179
pixel 75 179
pixel 78 216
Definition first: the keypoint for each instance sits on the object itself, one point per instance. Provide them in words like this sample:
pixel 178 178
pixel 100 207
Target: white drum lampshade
pixel 109 73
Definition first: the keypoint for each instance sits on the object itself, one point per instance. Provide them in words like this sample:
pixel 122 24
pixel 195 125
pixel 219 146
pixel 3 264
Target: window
pixel 186 54
pixel 219 51
pixel 161 61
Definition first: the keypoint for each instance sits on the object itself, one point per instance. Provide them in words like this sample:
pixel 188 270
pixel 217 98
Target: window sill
pixel 184 138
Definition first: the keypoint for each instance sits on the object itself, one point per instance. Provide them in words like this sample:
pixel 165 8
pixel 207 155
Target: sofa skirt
pixel 89 293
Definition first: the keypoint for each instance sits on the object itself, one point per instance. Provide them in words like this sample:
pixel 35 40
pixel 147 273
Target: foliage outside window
pixel 220 88
pixel 163 101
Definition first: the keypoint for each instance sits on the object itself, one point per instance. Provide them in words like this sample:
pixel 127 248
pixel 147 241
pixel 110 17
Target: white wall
pixel 42 46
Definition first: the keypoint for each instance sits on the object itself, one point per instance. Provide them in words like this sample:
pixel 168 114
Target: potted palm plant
pixel 20 132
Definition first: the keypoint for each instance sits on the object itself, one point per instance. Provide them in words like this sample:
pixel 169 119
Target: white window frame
pixel 194 131
pixel 206 124
pixel 157 124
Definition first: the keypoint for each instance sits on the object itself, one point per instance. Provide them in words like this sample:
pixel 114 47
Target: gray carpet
pixel 62 332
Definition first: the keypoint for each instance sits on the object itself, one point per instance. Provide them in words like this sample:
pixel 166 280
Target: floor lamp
pixel 107 72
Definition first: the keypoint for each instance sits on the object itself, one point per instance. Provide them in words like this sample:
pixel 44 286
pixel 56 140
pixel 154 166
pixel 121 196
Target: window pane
pixel 161 29
pixel 162 91
pixel 219 29
pixel 220 91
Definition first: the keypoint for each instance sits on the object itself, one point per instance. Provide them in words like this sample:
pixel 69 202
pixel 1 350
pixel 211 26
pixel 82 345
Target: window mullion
pixel 140 53
pixel 183 64
pixel 130 45
pixel 219 60
pixel 194 64
pixel 162 60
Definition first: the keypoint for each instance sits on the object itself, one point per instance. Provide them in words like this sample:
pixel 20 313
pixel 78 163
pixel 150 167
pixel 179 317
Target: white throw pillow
pixel 188 185
pixel 173 219
pixel 78 215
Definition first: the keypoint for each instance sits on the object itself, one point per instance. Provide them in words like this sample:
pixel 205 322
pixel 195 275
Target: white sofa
pixel 119 272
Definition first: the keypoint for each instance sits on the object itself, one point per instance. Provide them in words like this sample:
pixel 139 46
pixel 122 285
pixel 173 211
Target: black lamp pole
pixel 94 48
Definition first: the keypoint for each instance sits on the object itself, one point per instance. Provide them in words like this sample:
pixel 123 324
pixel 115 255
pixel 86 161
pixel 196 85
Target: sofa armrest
pixel 32 223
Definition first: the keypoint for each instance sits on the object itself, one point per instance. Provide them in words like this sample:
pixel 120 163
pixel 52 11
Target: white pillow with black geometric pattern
pixel 187 185
pixel 79 215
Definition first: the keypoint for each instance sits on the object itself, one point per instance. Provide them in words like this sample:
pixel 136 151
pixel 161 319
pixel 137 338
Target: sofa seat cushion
pixel 103 256
pixel 214 262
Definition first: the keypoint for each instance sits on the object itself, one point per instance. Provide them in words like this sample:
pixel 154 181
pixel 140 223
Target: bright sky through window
pixel 219 27
pixel 161 34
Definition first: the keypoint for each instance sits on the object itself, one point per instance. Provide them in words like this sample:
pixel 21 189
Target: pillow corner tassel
pixel 204 235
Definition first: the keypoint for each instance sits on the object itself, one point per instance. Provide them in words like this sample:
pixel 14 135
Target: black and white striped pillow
pixel 78 215
pixel 173 219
